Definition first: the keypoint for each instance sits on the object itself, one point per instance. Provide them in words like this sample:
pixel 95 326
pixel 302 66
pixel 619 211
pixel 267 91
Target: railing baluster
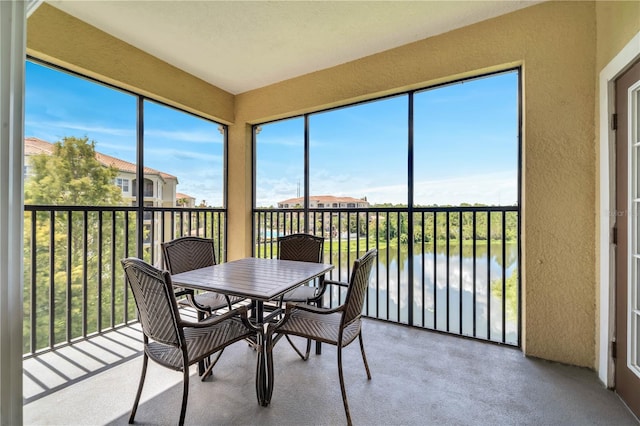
pixel 399 269
pixel 377 269
pixel 125 292
pixel 504 279
pixel 205 226
pixel 448 259
pixel 388 238
pixel 173 225
pixel 99 295
pixel 460 289
pixel 435 270
pixel 68 277
pixel 152 237
pixel 34 300
pixel 52 281
pixel 112 321
pixel 272 240
pixel 422 273
pixel 489 275
pixel 474 310
pixel 85 250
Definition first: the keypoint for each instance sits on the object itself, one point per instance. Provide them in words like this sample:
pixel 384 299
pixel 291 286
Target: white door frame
pixel 620 63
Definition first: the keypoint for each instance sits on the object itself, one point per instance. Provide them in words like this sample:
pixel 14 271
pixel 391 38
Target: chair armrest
pixel 212 320
pixel 338 283
pixel 272 327
pixel 182 292
pixel 323 287
pixel 310 308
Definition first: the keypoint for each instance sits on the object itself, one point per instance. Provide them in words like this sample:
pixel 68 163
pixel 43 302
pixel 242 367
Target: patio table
pixel 260 280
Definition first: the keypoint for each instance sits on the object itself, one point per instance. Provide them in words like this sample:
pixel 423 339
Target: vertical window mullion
pixel 140 176
pixel 306 171
pixel 410 208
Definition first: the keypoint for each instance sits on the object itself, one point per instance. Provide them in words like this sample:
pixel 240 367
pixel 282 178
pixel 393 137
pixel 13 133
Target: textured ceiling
pixel 244 45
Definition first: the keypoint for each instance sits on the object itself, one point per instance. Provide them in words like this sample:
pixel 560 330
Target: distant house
pixel 159 187
pixel 325 202
pixel 184 200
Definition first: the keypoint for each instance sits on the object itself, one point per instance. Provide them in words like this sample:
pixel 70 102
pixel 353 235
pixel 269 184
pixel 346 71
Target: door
pixel 627 292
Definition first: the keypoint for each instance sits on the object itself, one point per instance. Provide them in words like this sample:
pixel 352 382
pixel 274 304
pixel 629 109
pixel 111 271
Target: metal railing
pixel 462 262
pixel 73 282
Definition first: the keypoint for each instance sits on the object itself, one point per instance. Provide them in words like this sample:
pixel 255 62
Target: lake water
pixel 479 310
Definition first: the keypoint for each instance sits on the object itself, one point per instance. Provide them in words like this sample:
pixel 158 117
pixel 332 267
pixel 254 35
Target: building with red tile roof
pixel 159 187
pixel 326 202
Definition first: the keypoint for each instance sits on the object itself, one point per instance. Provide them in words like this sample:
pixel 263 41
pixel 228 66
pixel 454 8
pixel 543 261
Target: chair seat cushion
pixel 320 327
pixel 213 300
pixel 300 294
pixel 201 342
pixel 216 300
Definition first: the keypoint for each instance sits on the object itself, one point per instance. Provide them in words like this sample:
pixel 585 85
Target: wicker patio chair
pixel 169 340
pixel 305 248
pixel 337 326
pixel 186 254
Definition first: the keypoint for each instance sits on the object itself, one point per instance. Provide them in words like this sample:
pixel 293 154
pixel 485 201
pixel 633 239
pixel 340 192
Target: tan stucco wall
pixel 554 42
pixel 60 39
pixel 617 23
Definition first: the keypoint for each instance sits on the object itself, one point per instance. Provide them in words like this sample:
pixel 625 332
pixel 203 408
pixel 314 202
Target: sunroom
pixel 558 231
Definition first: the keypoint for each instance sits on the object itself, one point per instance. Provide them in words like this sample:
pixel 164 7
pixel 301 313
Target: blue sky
pixel 465 148
pixel 188 147
pixel 465 142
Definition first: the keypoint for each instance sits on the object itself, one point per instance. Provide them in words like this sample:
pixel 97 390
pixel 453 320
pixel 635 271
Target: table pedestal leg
pixel 268 352
pixel 264 368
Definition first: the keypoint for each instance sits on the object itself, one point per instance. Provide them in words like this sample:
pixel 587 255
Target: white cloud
pixel 489 188
pixel 85 129
pixel 499 188
pixel 196 136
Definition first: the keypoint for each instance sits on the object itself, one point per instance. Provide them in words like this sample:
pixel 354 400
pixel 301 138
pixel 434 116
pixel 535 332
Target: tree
pixel 71 175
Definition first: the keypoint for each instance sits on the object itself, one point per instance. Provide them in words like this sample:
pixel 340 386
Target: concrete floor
pixel 418 378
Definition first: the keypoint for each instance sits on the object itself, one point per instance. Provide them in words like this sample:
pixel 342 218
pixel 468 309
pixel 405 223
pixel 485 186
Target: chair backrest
pixel 302 247
pixel 156 304
pixel 188 253
pixel 354 301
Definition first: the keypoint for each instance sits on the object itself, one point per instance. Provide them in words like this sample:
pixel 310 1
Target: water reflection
pixel 484 278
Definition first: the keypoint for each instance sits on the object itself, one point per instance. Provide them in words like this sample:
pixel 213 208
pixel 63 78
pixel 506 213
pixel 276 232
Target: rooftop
pixel 323 199
pixel 33 146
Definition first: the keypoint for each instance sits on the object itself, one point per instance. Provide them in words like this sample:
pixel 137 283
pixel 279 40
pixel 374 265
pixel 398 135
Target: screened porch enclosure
pixel 441 267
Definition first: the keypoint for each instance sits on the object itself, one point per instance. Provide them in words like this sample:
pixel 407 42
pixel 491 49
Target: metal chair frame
pixel 186 254
pixel 168 339
pixel 337 326
pixel 305 248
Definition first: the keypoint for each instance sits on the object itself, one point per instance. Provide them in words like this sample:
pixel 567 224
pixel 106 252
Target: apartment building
pixel 159 188
pixel 325 202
